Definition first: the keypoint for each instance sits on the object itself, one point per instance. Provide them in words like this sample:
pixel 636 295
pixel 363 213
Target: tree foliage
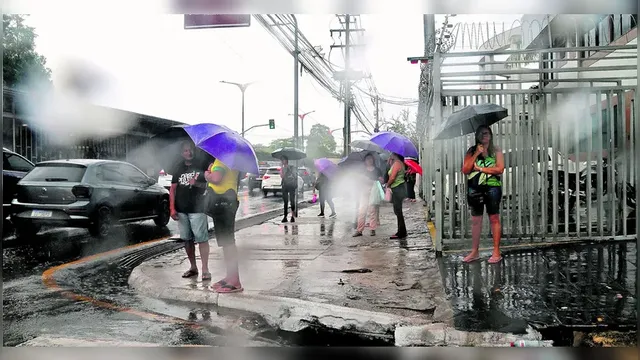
pixel 20 61
pixel 404 124
pixel 320 142
pixel 281 143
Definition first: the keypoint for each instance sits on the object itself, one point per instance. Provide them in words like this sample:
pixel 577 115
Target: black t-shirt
pixel 189 198
pixel 374 174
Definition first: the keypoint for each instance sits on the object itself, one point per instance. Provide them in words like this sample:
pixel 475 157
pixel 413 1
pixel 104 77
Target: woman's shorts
pixel 489 196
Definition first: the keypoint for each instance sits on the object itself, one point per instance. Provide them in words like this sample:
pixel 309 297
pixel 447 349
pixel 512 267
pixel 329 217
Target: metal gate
pixel 568 146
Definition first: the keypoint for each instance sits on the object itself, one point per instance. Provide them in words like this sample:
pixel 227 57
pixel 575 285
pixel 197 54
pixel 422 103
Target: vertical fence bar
pixel 564 150
pixel 576 132
pixel 599 177
pixel 554 166
pixel 544 123
pixel 614 117
pixel 589 190
pixel 530 164
pixel 624 150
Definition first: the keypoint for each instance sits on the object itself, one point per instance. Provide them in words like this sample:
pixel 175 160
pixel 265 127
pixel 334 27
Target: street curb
pixel 285 313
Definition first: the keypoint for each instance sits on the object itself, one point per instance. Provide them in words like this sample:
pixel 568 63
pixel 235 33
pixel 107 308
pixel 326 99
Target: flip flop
pixel 476 258
pixel 494 260
pixel 206 276
pixel 228 289
pixel 218 284
pixel 189 273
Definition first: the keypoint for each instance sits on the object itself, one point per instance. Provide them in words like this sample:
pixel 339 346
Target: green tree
pixel 320 142
pixel 20 60
pixel 280 143
pixel 263 152
pixel 404 125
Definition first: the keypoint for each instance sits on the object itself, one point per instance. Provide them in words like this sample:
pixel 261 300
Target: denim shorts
pixel 193 227
pixel 489 196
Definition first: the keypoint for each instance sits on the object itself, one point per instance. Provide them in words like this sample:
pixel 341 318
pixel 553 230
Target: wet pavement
pixel 30 309
pixel 318 261
pixel 573 287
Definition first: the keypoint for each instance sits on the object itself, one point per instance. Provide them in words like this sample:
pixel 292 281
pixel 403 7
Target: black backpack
pixel 290 179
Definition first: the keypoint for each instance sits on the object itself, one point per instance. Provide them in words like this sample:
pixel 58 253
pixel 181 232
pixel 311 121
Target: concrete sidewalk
pixel 313 273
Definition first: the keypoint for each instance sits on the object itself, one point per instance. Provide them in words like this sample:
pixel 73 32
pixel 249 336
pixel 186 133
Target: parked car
pixel 14 168
pixel 255 181
pixel 307 176
pixel 87 193
pixel 272 182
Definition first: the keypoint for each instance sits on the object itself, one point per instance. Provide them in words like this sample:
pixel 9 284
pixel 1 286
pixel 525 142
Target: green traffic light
pixel 272 124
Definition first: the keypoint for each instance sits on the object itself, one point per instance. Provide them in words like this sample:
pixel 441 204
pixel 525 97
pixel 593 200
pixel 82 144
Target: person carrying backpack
pixel 289 176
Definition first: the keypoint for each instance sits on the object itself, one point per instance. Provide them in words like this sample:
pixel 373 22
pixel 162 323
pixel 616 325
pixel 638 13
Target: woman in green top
pixel 398 192
pixel 483 165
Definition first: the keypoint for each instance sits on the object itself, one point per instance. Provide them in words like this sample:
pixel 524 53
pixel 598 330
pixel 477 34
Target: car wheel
pixel 26 232
pixel 164 214
pixel 265 193
pixel 101 226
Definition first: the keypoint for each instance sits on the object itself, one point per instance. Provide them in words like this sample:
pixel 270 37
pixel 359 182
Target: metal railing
pixel 568 143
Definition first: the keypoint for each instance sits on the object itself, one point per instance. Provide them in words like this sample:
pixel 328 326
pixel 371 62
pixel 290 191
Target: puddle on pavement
pixel 587 288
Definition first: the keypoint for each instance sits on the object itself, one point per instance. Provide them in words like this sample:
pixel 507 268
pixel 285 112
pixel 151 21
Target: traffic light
pixel 272 124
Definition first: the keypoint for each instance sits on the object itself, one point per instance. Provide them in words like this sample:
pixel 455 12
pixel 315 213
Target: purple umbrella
pixel 395 143
pixel 325 166
pixel 225 145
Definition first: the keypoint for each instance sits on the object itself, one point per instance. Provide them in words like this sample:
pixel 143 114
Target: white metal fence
pixel 569 152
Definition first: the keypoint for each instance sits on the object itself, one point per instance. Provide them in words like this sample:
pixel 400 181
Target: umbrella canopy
pixel 164 149
pixel 467 120
pixel 357 158
pixel 395 143
pixel 325 166
pixel 225 145
pixel 367 145
pixel 413 166
pixel 290 153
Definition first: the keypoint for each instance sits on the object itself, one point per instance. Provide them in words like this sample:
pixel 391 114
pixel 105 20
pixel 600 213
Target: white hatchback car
pixel 272 182
pixel 164 179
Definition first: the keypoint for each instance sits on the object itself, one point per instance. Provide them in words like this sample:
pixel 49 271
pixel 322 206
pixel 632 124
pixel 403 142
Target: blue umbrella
pixel 225 145
pixel 395 143
pixel 325 166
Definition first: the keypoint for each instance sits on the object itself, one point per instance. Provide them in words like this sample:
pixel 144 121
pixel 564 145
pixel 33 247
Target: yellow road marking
pixel 49 281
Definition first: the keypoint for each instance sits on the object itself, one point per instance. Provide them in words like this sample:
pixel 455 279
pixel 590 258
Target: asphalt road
pixel 32 310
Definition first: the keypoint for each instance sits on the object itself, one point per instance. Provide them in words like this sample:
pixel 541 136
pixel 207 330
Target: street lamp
pixel 301 117
pixel 242 88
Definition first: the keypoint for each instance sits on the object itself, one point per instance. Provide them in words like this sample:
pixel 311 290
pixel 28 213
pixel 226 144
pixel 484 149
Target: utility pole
pixel 243 88
pixel 377 128
pixel 296 72
pixel 347 76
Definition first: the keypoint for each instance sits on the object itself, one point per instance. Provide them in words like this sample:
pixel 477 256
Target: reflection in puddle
pixel 584 285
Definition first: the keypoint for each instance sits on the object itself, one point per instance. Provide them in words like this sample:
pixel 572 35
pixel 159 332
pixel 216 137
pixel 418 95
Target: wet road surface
pixel 30 309
pixel 573 287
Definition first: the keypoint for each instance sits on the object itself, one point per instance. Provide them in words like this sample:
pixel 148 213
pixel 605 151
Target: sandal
pixel 206 276
pixel 494 260
pixel 219 284
pixel 189 273
pixel 228 289
pixel 475 258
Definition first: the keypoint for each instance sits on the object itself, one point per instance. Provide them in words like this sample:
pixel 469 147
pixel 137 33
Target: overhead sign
pixel 207 21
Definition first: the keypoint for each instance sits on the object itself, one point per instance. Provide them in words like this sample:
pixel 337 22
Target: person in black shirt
pixel 371 175
pixel 186 202
pixel 289 177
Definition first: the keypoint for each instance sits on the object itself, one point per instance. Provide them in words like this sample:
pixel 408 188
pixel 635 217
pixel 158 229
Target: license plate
pixel 41 213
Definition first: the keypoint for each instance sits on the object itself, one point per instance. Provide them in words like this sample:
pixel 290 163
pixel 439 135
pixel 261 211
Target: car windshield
pixel 56 172
pixel 273 171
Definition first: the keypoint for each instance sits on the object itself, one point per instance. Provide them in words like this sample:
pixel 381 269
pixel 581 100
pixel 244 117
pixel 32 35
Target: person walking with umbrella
pixel 372 174
pixel 186 206
pixel 289 187
pixel 483 165
pixel 323 185
pixel 398 186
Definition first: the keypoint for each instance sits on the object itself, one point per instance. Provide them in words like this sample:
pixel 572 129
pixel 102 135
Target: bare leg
pixel 496 230
pixel 204 256
pixel 476 231
pixel 190 248
pixel 231 261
